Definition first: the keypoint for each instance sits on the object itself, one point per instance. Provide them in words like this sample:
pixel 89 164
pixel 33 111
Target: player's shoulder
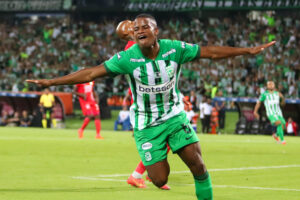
pixel 175 43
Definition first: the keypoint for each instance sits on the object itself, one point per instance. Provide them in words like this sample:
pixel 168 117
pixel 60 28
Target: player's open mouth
pixel 141 37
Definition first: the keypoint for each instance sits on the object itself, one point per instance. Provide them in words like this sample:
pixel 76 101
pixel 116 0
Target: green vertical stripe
pixel 146 97
pixel 159 97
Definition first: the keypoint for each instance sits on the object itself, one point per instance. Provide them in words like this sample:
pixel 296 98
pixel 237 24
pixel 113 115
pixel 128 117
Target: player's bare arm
pixel 81 76
pixel 257 106
pixel 282 99
pixel 218 52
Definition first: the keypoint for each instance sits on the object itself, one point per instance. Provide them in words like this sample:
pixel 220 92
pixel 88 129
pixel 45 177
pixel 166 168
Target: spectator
pixel 220 106
pixel 191 115
pixel 214 120
pixel 14 120
pixel 4 118
pixel 207 115
pixel 25 119
pixel 123 120
pixel 291 127
pixel 201 111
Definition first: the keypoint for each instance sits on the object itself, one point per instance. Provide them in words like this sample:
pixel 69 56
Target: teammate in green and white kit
pixel 152 68
pixel 272 100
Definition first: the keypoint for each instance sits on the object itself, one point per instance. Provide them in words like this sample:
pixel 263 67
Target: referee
pixel 47 102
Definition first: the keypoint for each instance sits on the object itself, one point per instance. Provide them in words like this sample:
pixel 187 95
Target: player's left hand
pixel 41 82
pixel 258 49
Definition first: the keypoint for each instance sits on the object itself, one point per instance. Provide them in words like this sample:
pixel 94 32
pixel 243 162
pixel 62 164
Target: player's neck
pixel 152 51
pixel 271 91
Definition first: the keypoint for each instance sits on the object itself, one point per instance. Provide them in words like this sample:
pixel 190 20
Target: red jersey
pixel 129 44
pixel 87 89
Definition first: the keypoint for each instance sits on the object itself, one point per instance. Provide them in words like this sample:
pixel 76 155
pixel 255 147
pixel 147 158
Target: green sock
pixel 280 132
pixel 203 187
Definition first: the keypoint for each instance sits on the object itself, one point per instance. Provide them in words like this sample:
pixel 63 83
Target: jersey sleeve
pixel 262 97
pixel 116 65
pixel 188 51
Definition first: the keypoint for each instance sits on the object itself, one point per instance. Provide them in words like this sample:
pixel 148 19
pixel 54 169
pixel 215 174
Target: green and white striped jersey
pixel 271 102
pixel 154 83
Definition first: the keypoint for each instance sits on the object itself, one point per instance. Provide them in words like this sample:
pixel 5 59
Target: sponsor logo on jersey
pixel 148 156
pixel 146 146
pixel 137 60
pixel 169 53
pixel 155 89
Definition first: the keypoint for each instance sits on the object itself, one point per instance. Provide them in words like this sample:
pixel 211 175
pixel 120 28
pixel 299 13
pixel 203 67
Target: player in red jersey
pixel 124 31
pixel 89 106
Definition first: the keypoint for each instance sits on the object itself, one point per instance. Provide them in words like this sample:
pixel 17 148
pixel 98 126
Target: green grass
pixel 39 164
pixel 108 124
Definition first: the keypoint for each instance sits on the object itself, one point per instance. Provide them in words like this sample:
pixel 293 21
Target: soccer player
pixel 152 68
pixel 125 31
pixel 272 100
pixel 88 100
pixel 47 102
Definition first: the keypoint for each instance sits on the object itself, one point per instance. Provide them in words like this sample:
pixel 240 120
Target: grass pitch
pixel 39 164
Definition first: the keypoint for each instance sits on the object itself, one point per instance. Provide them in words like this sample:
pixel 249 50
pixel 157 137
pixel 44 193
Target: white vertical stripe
pixel 151 81
pixel 139 100
pixel 165 79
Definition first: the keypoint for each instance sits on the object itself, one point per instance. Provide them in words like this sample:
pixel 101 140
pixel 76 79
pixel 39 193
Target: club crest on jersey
pixel 170 71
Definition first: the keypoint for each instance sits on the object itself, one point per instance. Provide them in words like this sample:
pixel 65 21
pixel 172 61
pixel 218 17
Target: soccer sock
pixel 98 126
pixel 44 123
pixel 85 123
pixel 203 187
pixel 54 123
pixel 136 175
pixel 140 169
pixel 280 132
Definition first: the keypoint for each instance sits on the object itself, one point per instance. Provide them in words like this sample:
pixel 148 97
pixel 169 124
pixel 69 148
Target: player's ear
pixel 156 31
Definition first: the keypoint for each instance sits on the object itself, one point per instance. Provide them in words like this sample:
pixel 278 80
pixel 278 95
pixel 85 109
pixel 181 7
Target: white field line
pixel 214 186
pixel 247 187
pixel 210 170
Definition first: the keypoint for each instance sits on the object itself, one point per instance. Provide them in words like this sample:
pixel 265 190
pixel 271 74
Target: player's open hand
pixel 41 82
pixel 258 49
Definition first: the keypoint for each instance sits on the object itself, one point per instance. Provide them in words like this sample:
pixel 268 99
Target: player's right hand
pixel 41 82
pixel 256 115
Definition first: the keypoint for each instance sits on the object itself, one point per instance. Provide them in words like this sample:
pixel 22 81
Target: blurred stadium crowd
pixel 49 48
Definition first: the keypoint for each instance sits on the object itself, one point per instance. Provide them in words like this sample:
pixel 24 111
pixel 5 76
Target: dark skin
pixel 145 33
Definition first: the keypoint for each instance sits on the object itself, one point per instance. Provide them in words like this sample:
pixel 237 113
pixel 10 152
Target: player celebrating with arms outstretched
pixel 272 99
pixel 152 68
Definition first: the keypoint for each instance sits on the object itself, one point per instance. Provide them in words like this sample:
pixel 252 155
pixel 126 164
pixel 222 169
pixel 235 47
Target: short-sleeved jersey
pixel 47 100
pixel 87 89
pixel 271 102
pixel 154 83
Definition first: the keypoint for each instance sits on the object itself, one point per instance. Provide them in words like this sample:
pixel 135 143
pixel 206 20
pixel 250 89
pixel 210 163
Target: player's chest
pixel 155 72
pixel 272 99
